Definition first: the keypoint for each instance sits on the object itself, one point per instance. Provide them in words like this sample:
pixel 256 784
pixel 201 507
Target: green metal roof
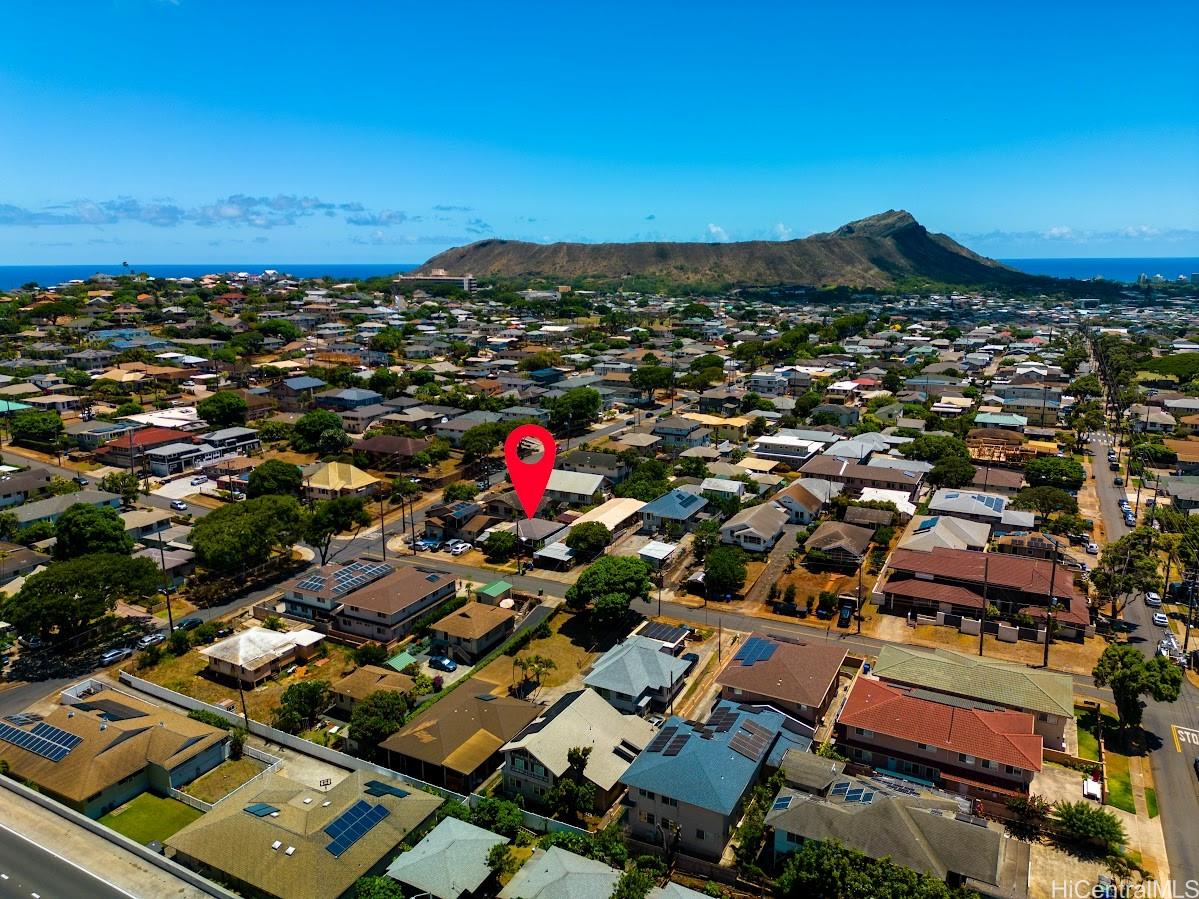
pixel 990 680
pixel 495 588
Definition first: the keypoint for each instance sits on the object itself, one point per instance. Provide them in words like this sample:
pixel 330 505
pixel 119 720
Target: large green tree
pixel 609 585
pixel 1091 825
pixel 36 429
pixel 574 410
pixel 67 596
pixel 274 477
pixel 319 431
pixel 1127 566
pixel 1130 676
pixel 230 539
pixel 724 571
pixel 125 484
pixel 334 516
pixel 951 471
pixel 1050 471
pixel 1045 500
pixel 573 794
pixel 934 448
pixel 375 718
pixel 83 529
pixel 651 378
pixel 300 704
pixel 589 539
pixel 224 409
pixel 824 869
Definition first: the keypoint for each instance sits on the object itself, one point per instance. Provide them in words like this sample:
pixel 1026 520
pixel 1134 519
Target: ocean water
pixel 1114 269
pixel 48 275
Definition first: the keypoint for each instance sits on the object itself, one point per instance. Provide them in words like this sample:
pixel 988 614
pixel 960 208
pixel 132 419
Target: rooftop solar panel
pixel 352 825
pixel 676 745
pixel 261 809
pixel 841 786
pixel 853 795
pixel 781 803
pixel 57 735
pixel 31 742
pixel 658 743
pixel 378 788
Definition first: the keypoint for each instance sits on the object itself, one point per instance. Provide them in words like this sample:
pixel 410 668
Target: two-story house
pixel 385 609
pixel 975 750
pixel 636 676
pixel 607 465
pixel 798 677
pixel 469 633
pixel 678 433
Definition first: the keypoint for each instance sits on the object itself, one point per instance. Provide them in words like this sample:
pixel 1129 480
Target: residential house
pixel 691 780
pixel 1004 481
pixel 723 488
pixel 859 477
pixel 316 595
pixel 574 488
pixel 129 449
pixel 798 677
pixel 537 759
pixel 989 508
pixel 384 610
pixel 296 394
pixel 840 543
pixel 756 529
pixel 18 561
pixel 607 465
pixel 328 480
pixel 19 486
pixel 800 504
pixel 842 416
pixel 95 753
pixel 241 441
pixel 454 521
pixel 175 458
pixel 456 742
pixel 347 399
pixel 931 531
pixel 387 453
pixel 636 676
pixel 252 655
pixel 283 839
pixel 675 510
pixel 980 752
pixel 469 633
pixel 1048 696
pixel 449 863
pixel 793 450
pixel 678 433
pixel 362 682
pixel 51 507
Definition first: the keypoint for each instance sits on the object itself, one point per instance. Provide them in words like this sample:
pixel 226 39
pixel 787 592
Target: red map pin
pixel 530 478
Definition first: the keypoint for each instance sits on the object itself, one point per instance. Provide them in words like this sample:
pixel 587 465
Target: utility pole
pixel 1052 601
pixel 983 618
pixel 382 527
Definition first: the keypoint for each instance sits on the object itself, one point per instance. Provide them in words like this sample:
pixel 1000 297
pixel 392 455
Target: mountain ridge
pixel 878 251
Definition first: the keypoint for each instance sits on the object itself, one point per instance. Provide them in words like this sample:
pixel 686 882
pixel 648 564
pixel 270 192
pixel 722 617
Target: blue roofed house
pixel 347 398
pixel 691 781
pixel 296 394
pixel 637 675
pixel 677 508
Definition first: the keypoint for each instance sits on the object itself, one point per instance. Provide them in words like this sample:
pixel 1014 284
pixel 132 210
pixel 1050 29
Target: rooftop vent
pixel 291 850
pixel 275 845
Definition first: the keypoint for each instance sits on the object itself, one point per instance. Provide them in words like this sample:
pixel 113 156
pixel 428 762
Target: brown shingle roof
pixel 370 679
pixel 473 620
pixel 795 672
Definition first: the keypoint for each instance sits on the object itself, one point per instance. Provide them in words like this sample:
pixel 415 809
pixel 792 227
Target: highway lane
pixel 1171 754
pixel 30 870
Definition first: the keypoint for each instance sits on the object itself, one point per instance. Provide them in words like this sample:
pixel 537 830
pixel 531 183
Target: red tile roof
pixel 1005 737
pixel 152 437
pixel 1002 570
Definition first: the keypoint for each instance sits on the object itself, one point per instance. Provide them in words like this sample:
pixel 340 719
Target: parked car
pixel 1160 619
pixel 112 656
pixel 199 479
pixel 1092 548
pixel 658 721
pixel 224 631
pixel 427 545
pixel 31 641
pixel 189 624
pixel 441 663
pixel 458 547
pixel 691 658
pixel 845 615
pixel 178 505
pixel 1119 482
pixel 81 480
pixel 1113 466
pixel 151 640
pixel 1153 599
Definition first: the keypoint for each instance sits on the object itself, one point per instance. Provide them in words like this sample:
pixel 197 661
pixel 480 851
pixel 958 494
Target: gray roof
pixel 449 861
pixel 917 833
pixel 555 873
pixel 584 718
pixel 53 506
pixel 634 666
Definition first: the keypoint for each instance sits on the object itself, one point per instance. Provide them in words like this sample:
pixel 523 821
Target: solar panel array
pixel 841 790
pixel 352 825
pixel 261 809
pixel 346 579
pixel 749 743
pixel 781 803
pixel 656 630
pixel 676 745
pixel 35 743
pixel 658 743
pixel 755 649
pixel 688 500
pixel 57 735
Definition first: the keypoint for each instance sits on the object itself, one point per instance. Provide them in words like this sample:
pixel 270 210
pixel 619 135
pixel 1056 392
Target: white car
pixel 1160 619
pixel 1092 549
pixel 198 480
pixel 1153 599
pixel 458 547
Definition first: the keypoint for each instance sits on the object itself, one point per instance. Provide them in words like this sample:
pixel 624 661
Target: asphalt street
pixel 29 870
pixel 1171 729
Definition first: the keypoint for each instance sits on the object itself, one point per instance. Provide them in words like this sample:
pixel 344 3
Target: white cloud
pixel 781 232
pixel 717 233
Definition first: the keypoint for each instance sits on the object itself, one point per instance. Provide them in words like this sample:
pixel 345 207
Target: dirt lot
pixel 183 674
pixel 571 646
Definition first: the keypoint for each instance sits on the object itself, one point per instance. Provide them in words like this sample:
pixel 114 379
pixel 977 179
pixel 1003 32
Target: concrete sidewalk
pixel 116 866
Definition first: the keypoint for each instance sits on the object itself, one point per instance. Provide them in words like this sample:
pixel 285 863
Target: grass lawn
pixel 1119 783
pixel 223 779
pixel 1151 801
pixel 149 817
pixel 564 646
pixel 183 675
pixel 1088 743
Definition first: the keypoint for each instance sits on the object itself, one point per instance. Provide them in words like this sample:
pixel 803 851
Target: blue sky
pixel 201 130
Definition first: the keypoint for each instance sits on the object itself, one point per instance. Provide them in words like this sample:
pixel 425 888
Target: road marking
pixel 1184 735
pixel 61 858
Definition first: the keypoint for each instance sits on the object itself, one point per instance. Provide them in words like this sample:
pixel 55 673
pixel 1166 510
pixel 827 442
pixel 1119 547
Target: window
pixel 986 763
pixel 862 732
pixel 924 747
pixel 647 817
pixel 863 755
pixel 700 835
pixel 646 794
pixel 965 759
pixel 673 803
pixel 1011 769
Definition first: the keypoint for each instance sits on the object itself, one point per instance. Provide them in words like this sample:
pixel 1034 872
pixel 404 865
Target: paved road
pixel 28 870
pixel 1177 785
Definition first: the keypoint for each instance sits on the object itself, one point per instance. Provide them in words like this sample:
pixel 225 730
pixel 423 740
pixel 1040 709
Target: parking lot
pixel 181 488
